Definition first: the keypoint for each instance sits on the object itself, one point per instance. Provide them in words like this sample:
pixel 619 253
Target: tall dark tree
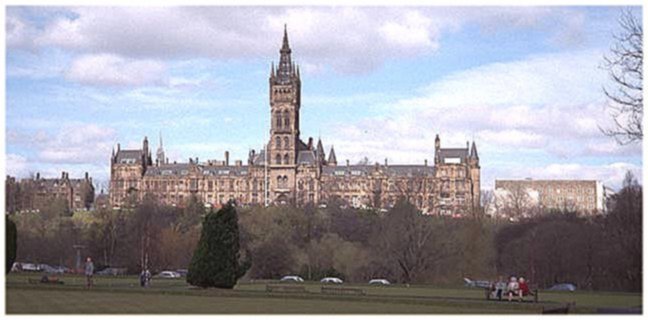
pixel 624 226
pixel 215 262
pixel 11 240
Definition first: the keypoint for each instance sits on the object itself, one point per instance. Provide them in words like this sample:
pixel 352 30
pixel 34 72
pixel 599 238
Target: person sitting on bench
pixel 524 288
pixel 499 287
pixel 513 288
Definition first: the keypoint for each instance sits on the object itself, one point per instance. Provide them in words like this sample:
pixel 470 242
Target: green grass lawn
pixel 122 295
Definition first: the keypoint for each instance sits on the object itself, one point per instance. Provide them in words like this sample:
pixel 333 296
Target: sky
pixel 524 83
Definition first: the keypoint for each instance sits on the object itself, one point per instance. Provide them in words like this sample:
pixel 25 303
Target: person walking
pixel 89 271
pixel 147 277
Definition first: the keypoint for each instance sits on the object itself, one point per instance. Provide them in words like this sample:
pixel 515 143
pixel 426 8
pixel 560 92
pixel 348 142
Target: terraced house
pixel 290 171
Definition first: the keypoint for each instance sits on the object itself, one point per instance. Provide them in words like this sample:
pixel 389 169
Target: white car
pixel 331 280
pixel 169 275
pixel 383 282
pixel 292 279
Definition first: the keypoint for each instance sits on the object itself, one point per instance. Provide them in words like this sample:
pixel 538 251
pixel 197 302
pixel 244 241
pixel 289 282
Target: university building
pixel 583 196
pixel 37 192
pixel 291 171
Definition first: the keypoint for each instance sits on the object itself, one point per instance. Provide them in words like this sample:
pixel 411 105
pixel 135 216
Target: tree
pixel 11 238
pixel 624 229
pixel 410 242
pixel 215 262
pixel 625 67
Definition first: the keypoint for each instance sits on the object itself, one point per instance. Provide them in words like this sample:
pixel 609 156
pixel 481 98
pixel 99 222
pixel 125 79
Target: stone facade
pixel 37 192
pixel 584 196
pixel 291 171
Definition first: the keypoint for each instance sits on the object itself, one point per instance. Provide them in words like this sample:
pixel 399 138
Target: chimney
pixel 347 162
pixel 86 175
pixel 167 160
pixel 118 147
pixel 425 162
pixel 238 163
pixel 386 162
pixel 226 158
pixel 37 175
pixel 197 160
pixel 62 174
pixel 310 143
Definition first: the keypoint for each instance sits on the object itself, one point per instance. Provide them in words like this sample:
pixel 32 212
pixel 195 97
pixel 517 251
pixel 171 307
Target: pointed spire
pixel 285 47
pixel 272 71
pixel 320 151
pixel 473 151
pixel 285 70
pixel 332 160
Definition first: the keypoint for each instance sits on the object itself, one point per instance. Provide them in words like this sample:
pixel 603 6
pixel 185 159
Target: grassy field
pixel 122 295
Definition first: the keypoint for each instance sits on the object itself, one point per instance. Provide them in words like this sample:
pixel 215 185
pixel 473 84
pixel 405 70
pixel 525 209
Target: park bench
pixel 45 280
pixel 292 289
pixel 490 295
pixel 341 290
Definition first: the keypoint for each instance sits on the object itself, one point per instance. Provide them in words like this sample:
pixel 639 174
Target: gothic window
pixel 286 158
pixel 278 142
pixel 286 143
pixel 300 185
pixel 278 159
pixel 286 120
pixel 278 117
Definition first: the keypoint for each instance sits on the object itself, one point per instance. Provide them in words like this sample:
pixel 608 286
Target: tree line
pixel 600 252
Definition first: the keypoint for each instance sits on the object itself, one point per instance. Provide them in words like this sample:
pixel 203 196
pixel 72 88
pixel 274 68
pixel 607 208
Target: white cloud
pixel 323 36
pixel 16 165
pixel 107 69
pixel 549 103
pixel 79 144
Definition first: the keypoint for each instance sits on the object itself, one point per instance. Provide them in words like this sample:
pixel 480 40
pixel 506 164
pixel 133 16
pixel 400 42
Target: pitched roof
pixel 453 153
pixel 392 170
pixel 306 157
pixel 183 169
pixel 129 156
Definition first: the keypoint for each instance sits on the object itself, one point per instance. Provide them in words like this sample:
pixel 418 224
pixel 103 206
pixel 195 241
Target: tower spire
pixel 285 69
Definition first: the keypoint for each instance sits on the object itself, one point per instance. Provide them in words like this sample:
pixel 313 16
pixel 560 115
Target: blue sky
pixel 378 82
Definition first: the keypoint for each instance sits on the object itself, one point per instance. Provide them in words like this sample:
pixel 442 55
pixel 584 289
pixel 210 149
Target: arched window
pixel 278 142
pixel 278 117
pixel 286 158
pixel 311 185
pixel 286 143
pixel 278 159
pixel 286 120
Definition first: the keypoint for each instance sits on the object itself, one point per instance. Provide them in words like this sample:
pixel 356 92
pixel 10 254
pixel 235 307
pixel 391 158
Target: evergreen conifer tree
pixel 215 262
pixel 11 241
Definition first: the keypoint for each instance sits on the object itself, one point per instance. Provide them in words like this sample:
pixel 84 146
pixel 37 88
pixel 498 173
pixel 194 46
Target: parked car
pixel 182 272
pixel 381 282
pixel 563 287
pixel 30 267
pixel 168 275
pixel 332 280
pixel 292 279
pixel 110 271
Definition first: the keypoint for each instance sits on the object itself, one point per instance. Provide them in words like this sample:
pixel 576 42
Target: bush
pixel 215 262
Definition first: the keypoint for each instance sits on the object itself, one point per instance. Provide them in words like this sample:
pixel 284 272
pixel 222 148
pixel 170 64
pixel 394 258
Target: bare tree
pixel 625 66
